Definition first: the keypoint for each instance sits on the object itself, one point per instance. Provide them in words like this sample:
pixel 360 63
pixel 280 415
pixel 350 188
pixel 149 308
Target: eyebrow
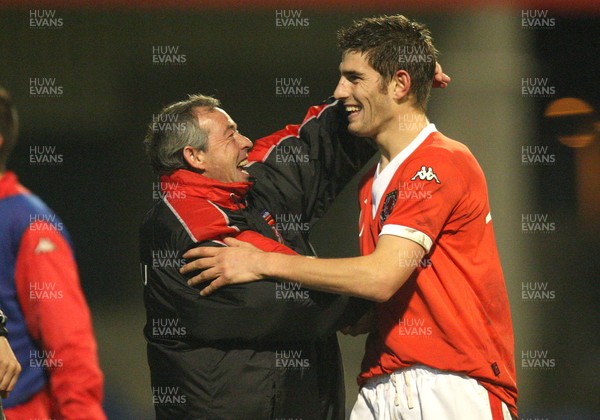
pixel 349 73
pixel 230 127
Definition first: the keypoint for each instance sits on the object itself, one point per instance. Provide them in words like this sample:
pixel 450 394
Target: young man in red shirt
pixel 444 345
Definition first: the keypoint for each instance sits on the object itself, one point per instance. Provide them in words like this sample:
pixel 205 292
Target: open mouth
pixel 352 110
pixel 242 165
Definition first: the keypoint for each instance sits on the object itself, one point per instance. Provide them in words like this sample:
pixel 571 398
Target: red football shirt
pixel 453 313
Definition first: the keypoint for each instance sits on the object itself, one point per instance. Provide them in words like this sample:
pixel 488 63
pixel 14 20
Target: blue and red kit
pixel 49 323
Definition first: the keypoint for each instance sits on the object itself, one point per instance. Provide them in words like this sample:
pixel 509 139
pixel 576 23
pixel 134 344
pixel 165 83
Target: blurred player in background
pixel 48 318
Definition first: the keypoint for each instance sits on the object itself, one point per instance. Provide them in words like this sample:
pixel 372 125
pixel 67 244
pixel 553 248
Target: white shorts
pixel 423 393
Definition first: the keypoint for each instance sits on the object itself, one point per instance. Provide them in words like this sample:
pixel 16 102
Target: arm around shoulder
pixel 376 276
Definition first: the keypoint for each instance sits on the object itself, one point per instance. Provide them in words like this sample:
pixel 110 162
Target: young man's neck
pixel 399 135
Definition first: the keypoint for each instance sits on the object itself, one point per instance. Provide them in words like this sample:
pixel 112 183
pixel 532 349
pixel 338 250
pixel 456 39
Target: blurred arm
pixel 59 320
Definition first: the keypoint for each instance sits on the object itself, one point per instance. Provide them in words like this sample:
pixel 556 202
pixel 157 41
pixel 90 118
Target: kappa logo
pixel 44 246
pixel 426 174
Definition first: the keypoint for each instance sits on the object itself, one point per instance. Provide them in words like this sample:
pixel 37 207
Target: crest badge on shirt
pixel 426 174
pixel 271 222
pixel 388 205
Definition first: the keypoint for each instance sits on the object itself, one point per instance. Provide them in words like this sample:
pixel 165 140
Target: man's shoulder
pixel 445 151
pixel 440 144
pixel 22 209
pixel 200 218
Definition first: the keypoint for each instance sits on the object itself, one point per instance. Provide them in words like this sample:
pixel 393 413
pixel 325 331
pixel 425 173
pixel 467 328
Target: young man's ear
pixel 194 157
pixel 400 85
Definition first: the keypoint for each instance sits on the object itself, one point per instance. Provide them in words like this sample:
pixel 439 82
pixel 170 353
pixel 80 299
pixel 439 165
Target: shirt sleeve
pixel 59 321
pixel 427 191
pixel 304 167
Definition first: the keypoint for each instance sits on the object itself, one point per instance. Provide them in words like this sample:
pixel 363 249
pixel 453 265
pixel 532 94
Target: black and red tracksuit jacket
pixel 263 350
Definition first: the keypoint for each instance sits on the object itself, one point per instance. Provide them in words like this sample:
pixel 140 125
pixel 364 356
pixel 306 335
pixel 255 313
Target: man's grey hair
pixel 173 128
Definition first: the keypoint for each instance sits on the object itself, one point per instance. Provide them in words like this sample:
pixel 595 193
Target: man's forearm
pixel 375 277
pixel 349 276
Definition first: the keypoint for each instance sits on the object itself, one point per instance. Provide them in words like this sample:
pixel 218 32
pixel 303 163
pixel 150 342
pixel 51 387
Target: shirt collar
pixel 225 194
pixel 9 185
pixel 382 180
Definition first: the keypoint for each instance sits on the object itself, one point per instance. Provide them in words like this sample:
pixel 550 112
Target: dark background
pixel 103 59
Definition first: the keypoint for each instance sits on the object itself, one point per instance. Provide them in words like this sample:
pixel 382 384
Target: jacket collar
pixel 9 185
pixel 225 194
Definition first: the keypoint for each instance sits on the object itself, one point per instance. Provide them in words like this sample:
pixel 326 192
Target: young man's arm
pixel 302 168
pixel 376 277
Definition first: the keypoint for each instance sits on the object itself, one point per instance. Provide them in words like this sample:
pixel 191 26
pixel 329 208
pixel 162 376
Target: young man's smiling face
pixel 370 108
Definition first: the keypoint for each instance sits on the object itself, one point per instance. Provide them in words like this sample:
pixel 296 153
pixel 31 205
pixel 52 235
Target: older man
pixel 255 351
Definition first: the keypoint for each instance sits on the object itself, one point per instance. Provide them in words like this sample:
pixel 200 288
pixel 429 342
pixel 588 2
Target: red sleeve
pixel 262 147
pixel 428 189
pixel 59 320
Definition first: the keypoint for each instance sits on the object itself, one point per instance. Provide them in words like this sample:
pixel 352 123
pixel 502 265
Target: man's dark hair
pixel 9 126
pixel 173 128
pixel 392 43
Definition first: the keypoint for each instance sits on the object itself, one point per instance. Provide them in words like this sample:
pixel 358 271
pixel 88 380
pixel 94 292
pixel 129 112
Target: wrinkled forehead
pixel 224 115
pixel 215 120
